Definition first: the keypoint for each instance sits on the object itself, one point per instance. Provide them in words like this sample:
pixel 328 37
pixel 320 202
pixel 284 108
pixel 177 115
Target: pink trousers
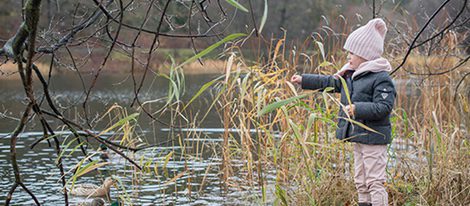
pixel 370 162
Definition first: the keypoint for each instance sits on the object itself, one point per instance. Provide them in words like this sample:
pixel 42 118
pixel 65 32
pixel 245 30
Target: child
pixel 372 97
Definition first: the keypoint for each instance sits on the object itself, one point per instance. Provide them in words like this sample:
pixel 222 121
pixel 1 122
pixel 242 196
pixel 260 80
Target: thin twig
pixel 93 83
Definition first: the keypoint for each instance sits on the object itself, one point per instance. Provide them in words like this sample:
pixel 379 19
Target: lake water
pixel 199 182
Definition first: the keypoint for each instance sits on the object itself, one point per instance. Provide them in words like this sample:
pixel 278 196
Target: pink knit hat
pixel 367 41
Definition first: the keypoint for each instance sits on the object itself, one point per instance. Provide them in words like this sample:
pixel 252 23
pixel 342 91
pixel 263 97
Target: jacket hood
pixel 377 65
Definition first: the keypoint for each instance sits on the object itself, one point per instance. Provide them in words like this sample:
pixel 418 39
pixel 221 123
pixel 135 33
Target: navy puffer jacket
pixel 372 93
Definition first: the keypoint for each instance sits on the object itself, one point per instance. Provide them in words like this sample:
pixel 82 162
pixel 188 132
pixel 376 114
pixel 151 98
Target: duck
pixel 95 202
pixel 92 190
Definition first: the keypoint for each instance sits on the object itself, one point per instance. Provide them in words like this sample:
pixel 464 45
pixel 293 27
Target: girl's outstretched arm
pixel 321 82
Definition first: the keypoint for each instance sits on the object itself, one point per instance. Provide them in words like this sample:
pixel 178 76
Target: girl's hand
pixel 350 109
pixel 296 79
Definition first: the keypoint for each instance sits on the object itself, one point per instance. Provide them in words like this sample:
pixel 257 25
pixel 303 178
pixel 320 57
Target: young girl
pixel 372 97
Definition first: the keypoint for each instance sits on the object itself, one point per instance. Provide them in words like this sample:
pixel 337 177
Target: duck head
pixel 108 182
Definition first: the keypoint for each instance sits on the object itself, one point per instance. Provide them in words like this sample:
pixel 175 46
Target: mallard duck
pixel 92 190
pixel 95 202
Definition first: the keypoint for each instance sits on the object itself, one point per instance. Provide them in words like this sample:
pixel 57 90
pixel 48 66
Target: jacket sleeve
pixel 321 82
pixel 383 99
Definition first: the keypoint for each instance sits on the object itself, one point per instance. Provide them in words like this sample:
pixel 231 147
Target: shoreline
pixel 9 71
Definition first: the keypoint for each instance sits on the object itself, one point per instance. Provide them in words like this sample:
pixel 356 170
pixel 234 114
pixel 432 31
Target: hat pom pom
pixel 380 26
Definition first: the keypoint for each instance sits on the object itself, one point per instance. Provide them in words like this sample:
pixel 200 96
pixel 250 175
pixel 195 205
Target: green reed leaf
pixel 278 104
pixel 212 47
pixel 237 5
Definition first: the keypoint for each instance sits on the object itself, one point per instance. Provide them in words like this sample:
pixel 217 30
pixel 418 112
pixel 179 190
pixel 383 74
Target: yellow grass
pixel 431 62
pixel 10 70
pixel 209 67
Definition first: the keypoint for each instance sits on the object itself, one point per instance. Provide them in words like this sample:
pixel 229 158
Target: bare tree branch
pixel 16 170
pixel 206 34
pixel 93 83
pixel 65 39
pixel 444 29
pixel 411 47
